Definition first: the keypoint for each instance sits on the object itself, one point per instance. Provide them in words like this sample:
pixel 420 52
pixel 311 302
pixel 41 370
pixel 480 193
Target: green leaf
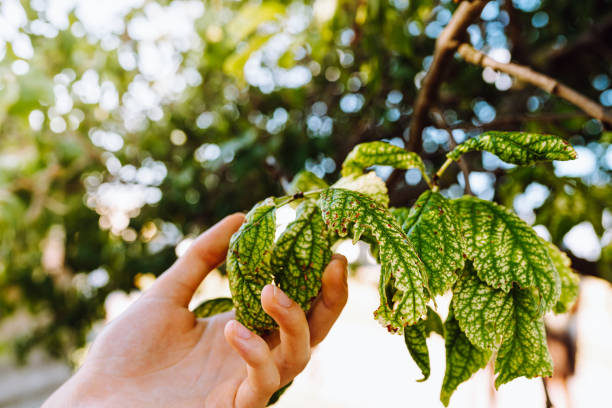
pixel 369 184
pixel 306 181
pixel 212 307
pixel 505 250
pixel 415 338
pixel 248 265
pixel 489 316
pixel 301 254
pixel 278 393
pixel 402 279
pixel 432 227
pixel 570 281
pixel 484 314
pixel 433 323
pixel 517 147
pixel 369 154
pixel 462 358
pixel 525 353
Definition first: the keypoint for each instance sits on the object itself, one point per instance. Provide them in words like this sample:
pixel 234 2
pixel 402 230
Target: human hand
pixel 157 353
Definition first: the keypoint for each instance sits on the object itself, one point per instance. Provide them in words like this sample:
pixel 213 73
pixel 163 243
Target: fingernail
pixel 281 298
pixel 242 331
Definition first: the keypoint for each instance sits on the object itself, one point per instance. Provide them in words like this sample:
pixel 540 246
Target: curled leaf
pixel 301 254
pixel 463 359
pixel 369 154
pixel 433 229
pixel 520 148
pixel 402 280
pixel 415 337
pixel 248 265
pixel 212 307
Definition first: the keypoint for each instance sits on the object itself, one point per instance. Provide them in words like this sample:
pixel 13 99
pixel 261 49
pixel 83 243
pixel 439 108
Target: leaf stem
pixel 439 173
pixel 427 179
pixel 284 200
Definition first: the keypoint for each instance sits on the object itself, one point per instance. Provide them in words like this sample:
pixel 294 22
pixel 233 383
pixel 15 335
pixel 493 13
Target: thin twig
pixel 461 162
pixel 526 74
pixel 446 44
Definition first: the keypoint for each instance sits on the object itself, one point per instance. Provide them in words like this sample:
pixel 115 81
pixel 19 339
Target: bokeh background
pixel 128 127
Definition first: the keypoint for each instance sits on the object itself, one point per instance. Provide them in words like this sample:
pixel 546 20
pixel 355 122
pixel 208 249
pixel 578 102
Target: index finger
pixel 327 307
pixel 182 279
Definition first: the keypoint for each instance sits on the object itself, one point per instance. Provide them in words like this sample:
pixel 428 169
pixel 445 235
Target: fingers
pixel 207 251
pixel 267 371
pixel 330 302
pixel 263 378
pixel 293 353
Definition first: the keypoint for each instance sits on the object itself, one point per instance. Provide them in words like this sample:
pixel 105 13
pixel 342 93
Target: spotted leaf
pixel 402 280
pixel 432 227
pixel 525 352
pixel 306 181
pixel 212 307
pixel 248 265
pixel 415 337
pixel 505 250
pixel 569 279
pixel 369 184
pixel 462 358
pixel 369 154
pixel 301 254
pixel 518 147
pixel 484 314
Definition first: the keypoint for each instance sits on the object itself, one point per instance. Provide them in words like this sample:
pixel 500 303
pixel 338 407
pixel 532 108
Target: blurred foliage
pixel 129 126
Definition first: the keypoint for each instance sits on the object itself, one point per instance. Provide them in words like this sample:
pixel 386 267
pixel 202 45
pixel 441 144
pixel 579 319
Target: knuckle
pixel 294 322
pixel 271 383
pixel 259 356
pixel 208 257
pixel 296 364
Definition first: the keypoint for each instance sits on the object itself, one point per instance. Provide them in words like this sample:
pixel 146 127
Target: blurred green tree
pixel 129 126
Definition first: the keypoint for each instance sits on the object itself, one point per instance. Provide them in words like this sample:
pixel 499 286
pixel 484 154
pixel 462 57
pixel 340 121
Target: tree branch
pixel 446 44
pixel 526 74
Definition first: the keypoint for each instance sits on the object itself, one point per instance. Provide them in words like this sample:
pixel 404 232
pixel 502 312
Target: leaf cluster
pixel 502 275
